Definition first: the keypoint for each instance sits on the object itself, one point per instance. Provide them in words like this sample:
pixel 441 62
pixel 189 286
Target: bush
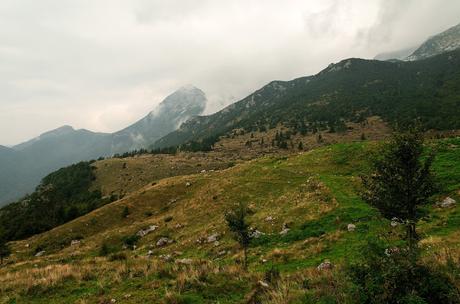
pixel 125 212
pixel 383 277
pixel 131 241
pixel 107 249
pixel 119 256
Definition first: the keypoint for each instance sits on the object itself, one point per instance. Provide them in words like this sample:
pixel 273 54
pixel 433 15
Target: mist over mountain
pixel 398 55
pixel 176 109
pixel 446 41
pixel 25 164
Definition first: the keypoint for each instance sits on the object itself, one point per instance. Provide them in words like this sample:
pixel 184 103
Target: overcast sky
pixel 102 65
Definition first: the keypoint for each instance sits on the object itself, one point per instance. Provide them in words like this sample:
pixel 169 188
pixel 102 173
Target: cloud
pixel 102 65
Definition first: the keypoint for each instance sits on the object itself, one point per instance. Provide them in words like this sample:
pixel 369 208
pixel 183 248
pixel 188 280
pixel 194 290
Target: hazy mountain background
pixel 25 164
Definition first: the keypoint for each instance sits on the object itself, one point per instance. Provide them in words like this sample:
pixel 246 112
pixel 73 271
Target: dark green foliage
pixel 131 241
pixel 60 197
pixel 401 180
pixel 125 212
pixel 108 248
pixel 4 249
pixel 118 256
pixel 351 90
pixel 383 277
pixel 236 222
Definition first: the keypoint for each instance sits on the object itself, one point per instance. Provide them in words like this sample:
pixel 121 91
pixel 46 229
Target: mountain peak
pixel 58 131
pixel 188 87
pixel 178 107
pixel 186 99
pixel 446 41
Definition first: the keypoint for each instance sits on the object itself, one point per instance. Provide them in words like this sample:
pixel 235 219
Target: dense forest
pixel 61 196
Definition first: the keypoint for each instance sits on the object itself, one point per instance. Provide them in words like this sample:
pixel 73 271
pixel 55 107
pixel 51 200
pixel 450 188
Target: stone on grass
pixel 264 284
pixel 447 203
pixel 40 253
pixel 75 242
pixel 351 227
pixel 184 261
pixel 144 232
pixel 163 242
pixel 255 234
pixel 213 238
pixel 326 265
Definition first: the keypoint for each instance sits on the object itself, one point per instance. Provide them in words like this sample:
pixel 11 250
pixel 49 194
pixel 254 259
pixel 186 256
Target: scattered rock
pixel 394 222
pixel 184 261
pixel 447 203
pixel 150 253
pixel 113 301
pixel 144 232
pixel 203 171
pixel 264 261
pixel 27 245
pixel 166 257
pixel 163 242
pixel 179 226
pixel 351 227
pixel 285 229
pixel 222 253
pixel 264 284
pixel 75 242
pixel 326 265
pixel 201 240
pixel 391 251
pixel 216 244
pixel 255 234
pixel 40 253
pixel 269 219
pixel 188 184
pixel 213 238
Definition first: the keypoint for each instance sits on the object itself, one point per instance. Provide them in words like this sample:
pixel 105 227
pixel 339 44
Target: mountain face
pixel 444 42
pixel 24 165
pixel 176 109
pixel 347 91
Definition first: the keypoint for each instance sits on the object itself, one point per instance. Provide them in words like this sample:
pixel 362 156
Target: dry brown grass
pixel 27 280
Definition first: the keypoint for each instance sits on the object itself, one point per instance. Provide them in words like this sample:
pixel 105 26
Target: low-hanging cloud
pixel 102 64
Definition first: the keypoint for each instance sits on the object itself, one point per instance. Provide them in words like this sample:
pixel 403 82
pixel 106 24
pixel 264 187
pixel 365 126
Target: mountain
pixel 175 109
pixel 446 41
pixel 347 91
pixel 24 165
pixel 395 55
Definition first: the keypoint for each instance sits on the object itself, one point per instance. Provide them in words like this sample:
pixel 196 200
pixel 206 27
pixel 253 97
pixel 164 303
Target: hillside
pixel 314 194
pixel 345 92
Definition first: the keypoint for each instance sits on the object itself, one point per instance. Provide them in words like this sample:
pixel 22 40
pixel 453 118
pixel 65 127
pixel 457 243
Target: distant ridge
pixel 25 164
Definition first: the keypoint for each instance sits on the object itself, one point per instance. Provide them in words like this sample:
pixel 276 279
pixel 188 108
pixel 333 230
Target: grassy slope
pixel 314 192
